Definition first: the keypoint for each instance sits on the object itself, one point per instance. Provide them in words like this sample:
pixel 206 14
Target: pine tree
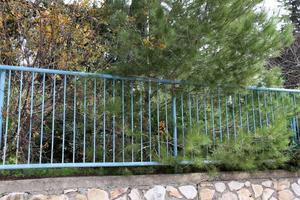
pixel 211 42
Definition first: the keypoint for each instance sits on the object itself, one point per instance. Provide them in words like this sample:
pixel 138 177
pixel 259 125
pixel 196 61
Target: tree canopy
pixel 51 34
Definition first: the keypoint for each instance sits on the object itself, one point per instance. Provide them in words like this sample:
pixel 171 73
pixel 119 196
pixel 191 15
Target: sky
pixel 273 7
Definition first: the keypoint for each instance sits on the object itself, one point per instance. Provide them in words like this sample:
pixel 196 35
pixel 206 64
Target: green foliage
pixel 167 159
pixel 61 172
pixel 271 77
pixel 199 40
pixel 197 145
pixel 196 141
pixel 33 173
pixel 294 154
pixel 195 150
pixel 265 148
pixel 114 105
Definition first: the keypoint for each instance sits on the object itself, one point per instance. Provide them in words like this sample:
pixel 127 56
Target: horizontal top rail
pixel 273 89
pixel 86 74
pixel 129 78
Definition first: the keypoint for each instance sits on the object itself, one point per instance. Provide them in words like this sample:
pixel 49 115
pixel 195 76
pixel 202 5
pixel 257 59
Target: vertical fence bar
pixel 240 111
pixel 7 118
pixel 277 104
pixel 30 118
pixel 259 109
pixel 253 112
pixel 131 120
pixel 84 119
pixel 197 109
pixel 174 126
pixel 266 110
pixel 149 120
pixel 64 120
pixel 114 122
pixel 190 110
pixel 141 119
pixel 272 107
pixel 296 116
pixel 205 115
pixel 205 120
pixel 247 113
pixel 53 118
pixel 283 104
pixel 294 126
pixel 233 117
pixel 183 126
pixel 19 117
pixel 167 125
pixel 158 119
pixel 2 89
pixel 94 122
pixel 227 118
pixel 213 118
pixel 74 118
pixel 220 117
pixel 123 123
pixel 42 119
pixel 104 120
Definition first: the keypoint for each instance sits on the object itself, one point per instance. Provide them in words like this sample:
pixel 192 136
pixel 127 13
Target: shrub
pixel 265 148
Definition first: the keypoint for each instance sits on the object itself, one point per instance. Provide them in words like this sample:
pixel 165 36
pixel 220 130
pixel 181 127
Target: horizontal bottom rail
pixel 106 164
pixel 64 165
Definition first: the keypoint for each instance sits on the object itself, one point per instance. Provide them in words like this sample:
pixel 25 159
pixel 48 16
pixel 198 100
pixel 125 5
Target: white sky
pixel 274 7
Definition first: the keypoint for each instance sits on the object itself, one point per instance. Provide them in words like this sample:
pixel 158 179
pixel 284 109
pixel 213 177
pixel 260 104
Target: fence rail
pixel 53 118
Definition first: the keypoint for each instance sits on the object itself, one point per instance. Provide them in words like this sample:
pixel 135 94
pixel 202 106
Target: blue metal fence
pixel 53 118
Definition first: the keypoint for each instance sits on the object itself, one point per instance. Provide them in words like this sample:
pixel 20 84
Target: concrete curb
pixel 63 183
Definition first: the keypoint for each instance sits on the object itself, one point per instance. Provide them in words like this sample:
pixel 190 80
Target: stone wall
pixel 280 185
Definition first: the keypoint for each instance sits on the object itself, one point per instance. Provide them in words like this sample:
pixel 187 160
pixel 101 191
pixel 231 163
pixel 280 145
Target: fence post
pixel 2 88
pixel 174 125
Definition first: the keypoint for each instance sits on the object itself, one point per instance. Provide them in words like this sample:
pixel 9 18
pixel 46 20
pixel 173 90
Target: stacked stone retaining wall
pixel 273 185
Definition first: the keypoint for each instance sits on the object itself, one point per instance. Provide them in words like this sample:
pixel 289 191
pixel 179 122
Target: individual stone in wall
pixel 135 195
pixel 188 191
pixel 96 194
pixel 235 185
pixel 173 192
pixel 156 193
pixel 220 187
pixel 206 194
pixel 257 189
pixel 117 192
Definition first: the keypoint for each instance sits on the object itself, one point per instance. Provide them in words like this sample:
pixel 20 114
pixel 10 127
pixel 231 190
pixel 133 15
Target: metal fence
pixel 53 118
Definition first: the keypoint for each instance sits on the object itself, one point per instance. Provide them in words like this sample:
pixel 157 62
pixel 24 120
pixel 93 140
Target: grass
pixel 65 172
